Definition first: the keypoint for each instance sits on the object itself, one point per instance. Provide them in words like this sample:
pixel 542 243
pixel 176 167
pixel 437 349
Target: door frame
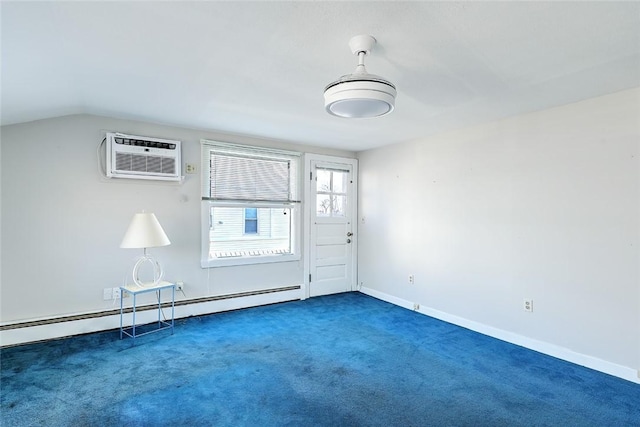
pixel 310 158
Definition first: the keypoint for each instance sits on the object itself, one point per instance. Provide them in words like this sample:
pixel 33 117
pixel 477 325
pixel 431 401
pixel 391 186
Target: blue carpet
pixel 340 360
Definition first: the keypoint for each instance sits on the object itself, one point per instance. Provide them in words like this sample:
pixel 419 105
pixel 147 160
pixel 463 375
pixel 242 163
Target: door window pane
pixel 323 205
pixel 324 180
pixel 331 190
pixel 339 205
pixel 339 182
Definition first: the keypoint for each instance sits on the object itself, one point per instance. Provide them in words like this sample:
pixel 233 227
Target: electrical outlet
pixel 411 279
pixel 416 306
pixel 179 286
pixel 528 305
pixel 117 293
pixel 191 168
pixel 107 294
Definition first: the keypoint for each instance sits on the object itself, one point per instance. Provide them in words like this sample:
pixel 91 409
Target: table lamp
pixel 145 232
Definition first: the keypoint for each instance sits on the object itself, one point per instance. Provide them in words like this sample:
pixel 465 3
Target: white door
pixel 332 231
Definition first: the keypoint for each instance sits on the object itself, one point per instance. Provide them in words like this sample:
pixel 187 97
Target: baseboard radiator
pixel 142 308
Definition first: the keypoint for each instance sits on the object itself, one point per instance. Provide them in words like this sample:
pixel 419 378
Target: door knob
pixel 349 234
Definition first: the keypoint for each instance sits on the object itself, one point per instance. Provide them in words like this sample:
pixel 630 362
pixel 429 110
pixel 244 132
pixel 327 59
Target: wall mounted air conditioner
pixel 142 157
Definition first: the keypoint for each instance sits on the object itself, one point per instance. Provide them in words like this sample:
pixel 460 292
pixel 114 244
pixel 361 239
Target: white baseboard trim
pixel 23 335
pixel 591 362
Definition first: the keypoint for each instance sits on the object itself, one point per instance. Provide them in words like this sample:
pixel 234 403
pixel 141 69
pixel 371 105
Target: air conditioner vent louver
pixel 138 157
pixel 127 162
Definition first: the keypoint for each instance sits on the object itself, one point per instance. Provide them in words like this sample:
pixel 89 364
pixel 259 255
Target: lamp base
pixel 157 271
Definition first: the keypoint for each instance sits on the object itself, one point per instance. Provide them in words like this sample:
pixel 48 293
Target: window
pixel 249 205
pixel 331 193
pixel 250 220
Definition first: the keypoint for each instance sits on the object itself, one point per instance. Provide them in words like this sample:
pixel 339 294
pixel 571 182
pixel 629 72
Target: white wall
pixel 62 223
pixel 543 206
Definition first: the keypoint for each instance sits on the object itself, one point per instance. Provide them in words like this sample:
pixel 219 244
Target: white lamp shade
pixel 144 232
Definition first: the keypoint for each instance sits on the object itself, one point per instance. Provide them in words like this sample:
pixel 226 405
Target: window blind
pixel 248 174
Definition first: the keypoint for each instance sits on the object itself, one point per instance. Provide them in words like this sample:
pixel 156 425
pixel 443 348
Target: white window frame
pixel 207 204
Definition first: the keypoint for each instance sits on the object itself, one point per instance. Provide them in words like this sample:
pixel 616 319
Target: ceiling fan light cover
pixel 359 99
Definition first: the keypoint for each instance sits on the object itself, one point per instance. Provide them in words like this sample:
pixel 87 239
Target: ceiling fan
pixel 360 94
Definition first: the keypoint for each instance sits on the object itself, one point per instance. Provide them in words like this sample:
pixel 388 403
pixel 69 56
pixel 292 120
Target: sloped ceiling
pixel 260 68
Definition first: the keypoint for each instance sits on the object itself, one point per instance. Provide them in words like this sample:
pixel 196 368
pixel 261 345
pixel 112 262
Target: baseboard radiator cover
pixel 34 330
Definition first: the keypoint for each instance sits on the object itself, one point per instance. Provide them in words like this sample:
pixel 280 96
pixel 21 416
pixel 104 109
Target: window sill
pixel 249 260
